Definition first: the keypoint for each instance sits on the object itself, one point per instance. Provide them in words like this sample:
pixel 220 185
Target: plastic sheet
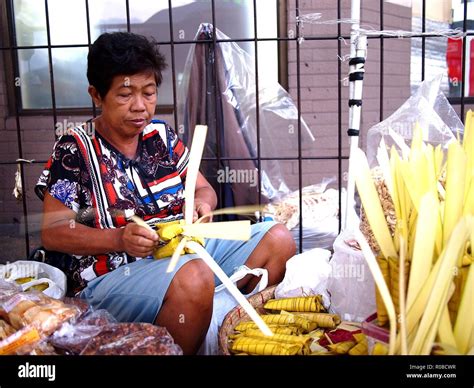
pixel 430 109
pixel 225 100
pixel 350 283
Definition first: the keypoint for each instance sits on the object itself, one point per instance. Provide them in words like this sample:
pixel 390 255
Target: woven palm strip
pixel 238 314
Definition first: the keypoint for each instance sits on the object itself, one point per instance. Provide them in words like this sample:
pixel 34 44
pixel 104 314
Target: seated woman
pixel 125 160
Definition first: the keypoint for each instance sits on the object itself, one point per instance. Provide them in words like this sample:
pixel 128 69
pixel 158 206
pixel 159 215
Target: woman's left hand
pixel 202 209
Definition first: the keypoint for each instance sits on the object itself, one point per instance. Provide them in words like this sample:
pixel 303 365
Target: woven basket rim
pixel 238 314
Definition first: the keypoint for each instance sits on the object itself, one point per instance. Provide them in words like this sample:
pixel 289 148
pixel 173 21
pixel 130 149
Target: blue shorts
pixel 134 292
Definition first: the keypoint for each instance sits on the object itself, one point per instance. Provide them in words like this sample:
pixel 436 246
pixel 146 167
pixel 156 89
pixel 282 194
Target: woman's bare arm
pixel 60 232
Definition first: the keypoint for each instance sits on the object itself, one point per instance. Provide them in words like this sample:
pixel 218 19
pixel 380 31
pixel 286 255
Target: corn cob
pixel 298 304
pixel 263 347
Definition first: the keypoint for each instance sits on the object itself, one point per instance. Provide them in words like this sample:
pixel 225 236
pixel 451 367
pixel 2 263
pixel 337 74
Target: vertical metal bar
pixel 423 39
pixel 464 49
pixel 94 113
pixel 257 103
pixel 216 98
pixel 173 64
pixel 381 61
pixel 339 116
pixel 127 8
pixel 16 102
pixel 298 103
pixel 50 59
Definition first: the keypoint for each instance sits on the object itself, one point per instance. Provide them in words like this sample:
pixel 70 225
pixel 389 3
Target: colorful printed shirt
pixel 95 180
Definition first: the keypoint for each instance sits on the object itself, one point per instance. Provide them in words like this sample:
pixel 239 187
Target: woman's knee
pixel 193 281
pixel 282 241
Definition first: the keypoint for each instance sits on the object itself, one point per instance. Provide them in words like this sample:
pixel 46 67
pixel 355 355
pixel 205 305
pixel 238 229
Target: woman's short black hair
pixel 122 53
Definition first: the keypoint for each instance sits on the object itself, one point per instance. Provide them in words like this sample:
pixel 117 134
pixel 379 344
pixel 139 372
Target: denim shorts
pixel 134 292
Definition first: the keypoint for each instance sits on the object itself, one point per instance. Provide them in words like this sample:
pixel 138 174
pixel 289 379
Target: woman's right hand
pixel 137 240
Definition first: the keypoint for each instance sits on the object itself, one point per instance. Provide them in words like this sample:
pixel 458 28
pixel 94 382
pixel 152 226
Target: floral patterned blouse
pixel 95 180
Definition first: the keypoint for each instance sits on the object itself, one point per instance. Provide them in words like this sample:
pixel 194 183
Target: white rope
pixel 456 33
pixel 314 18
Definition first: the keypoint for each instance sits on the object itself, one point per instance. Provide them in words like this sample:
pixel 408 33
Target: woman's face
pixel 129 105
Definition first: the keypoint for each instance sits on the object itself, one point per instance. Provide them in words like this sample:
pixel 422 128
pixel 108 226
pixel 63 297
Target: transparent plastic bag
pixel 224 302
pixel 72 338
pixel 430 109
pixel 132 339
pixel 229 95
pixel 306 274
pixel 34 308
pixel 350 283
pixel 32 274
pixel 320 214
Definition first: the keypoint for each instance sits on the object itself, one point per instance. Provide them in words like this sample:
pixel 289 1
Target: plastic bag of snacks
pixel 34 308
pixel 72 338
pixel 132 339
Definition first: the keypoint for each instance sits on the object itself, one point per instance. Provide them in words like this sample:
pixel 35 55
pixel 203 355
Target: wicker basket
pixel 238 314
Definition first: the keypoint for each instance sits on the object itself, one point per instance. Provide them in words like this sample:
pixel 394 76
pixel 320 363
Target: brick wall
pixel 319 78
pixel 318 106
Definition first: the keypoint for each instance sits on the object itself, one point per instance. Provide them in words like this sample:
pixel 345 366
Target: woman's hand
pixel 200 209
pixel 137 240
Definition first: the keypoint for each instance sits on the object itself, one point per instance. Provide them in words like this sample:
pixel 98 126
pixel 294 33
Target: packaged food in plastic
pixel 7 289
pixel 45 313
pixel 6 330
pixel 132 339
pixel 72 338
pixel 22 341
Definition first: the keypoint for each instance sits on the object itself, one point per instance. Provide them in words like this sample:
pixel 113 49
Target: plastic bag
pixel 320 214
pixel 229 95
pixel 34 308
pixel 74 337
pixel 429 108
pixel 306 274
pixel 132 339
pixel 31 274
pixel 350 284
pixel 224 302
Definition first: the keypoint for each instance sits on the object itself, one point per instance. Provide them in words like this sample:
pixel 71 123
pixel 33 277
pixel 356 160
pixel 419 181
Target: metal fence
pixel 288 11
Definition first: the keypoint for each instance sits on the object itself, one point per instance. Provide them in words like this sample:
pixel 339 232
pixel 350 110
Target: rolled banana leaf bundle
pixel 264 347
pixel 298 304
pixel 170 234
pixel 324 320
